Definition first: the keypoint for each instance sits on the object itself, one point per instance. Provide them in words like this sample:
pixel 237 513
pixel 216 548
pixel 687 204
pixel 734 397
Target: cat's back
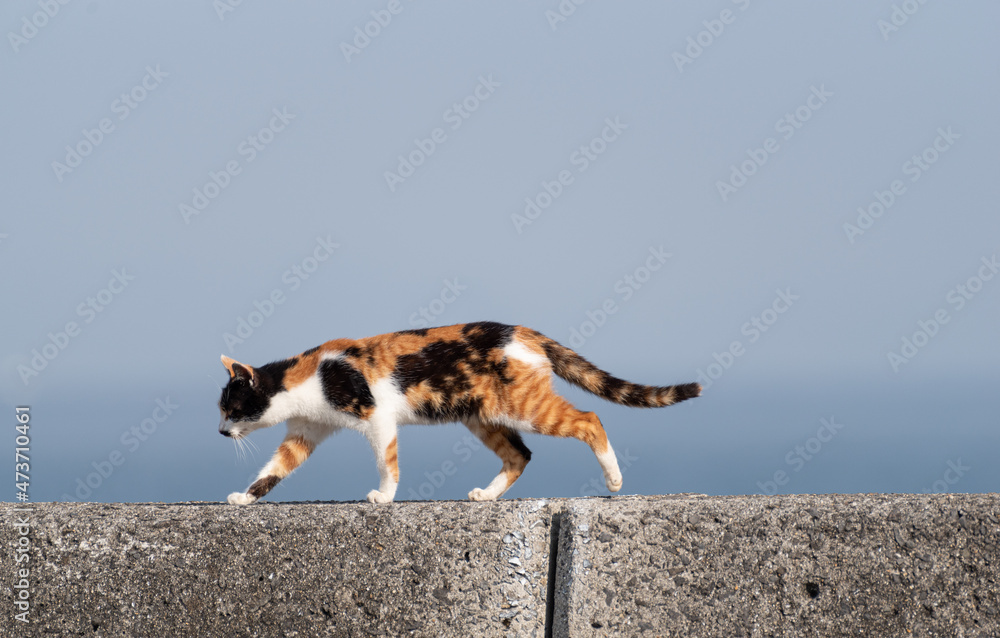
pixel 482 340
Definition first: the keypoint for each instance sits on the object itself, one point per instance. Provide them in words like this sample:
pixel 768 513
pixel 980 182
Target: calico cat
pixel 494 378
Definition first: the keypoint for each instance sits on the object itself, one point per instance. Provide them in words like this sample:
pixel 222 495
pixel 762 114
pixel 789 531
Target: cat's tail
pixel 573 368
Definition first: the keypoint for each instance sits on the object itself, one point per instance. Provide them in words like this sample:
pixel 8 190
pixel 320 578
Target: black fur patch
pixel 636 395
pixel 483 336
pixel 345 388
pixel 275 373
pixel 352 351
pixel 446 365
pixel 687 391
pixel 611 386
pixel 357 352
pixel 514 438
pixel 438 364
pixel 262 486
pixel 310 351
pixel 451 409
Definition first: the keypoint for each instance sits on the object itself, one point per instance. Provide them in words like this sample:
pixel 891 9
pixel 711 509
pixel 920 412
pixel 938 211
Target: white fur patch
pixel 609 465
pixel 514 424
pixel 517 350
pixel 390 402
pixel 240 498
pixel 305 400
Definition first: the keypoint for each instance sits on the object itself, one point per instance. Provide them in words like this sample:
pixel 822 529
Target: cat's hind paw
pixel 241 498
pixel 378 497
pixel 614 483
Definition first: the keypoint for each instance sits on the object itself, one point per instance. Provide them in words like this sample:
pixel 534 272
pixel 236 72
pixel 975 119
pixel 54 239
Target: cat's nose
pixel 224 432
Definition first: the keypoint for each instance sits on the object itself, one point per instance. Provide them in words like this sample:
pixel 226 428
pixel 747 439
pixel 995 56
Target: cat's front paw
pixel 480 494
pixel 241 498
pixel 378 497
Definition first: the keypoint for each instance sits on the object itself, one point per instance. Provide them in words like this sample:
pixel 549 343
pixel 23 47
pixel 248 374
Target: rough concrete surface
pixel 198 569
pixel 842 565
pixel 795 566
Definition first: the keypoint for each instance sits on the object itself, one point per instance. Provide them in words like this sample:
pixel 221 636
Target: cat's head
pixel 245 400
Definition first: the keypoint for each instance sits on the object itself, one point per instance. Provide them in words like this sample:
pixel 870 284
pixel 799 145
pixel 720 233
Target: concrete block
pixel 840 565
pixel 350 569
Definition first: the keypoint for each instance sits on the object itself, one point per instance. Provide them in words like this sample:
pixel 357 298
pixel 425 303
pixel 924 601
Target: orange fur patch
pixel 305 367
pixel 293 452
pixel 513 460
pixel 392 459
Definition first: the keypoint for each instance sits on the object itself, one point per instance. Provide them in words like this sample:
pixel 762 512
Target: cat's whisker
pixel 241 450
pixel 251 446
pixel 215 380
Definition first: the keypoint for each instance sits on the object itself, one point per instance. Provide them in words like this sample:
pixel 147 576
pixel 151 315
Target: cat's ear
pixel 237 370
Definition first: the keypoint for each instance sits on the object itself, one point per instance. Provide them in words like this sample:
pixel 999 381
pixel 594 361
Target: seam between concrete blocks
pixel 550 594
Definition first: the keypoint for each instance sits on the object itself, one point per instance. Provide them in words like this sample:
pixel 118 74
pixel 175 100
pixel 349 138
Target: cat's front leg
pixel 255 492
pixel 383 441
pixel 292 452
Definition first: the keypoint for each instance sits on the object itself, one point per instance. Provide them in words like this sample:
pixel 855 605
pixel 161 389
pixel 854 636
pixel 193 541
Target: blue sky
pixel 794 202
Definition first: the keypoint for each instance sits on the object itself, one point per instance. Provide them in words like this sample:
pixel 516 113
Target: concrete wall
pixel 842 565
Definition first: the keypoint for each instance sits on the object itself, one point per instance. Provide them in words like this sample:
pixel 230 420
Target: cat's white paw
pixel 378 497
pixel 480 494
pixel 241 498
pixel 614 483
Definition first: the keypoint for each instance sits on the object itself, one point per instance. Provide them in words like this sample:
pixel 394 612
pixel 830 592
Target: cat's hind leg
pixel 508 445
pixel 559 418
pixel 292 452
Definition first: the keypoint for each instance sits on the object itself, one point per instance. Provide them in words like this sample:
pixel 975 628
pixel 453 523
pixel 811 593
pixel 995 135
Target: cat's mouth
pixel 227 428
